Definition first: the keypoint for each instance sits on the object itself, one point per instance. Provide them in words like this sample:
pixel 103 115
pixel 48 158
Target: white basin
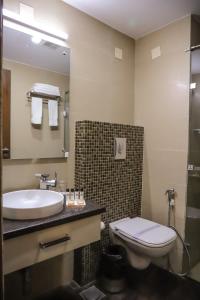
pixel 31 204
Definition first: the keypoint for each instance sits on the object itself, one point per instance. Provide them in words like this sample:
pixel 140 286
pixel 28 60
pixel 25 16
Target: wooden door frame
pixel 6 95
pixel 1 219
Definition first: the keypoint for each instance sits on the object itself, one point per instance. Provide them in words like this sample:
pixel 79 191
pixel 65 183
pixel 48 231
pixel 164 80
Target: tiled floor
pixel 158 284
pixel 195 272
pixel 63 293
pixel 151 284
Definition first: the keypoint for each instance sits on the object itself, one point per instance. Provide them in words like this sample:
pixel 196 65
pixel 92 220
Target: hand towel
pixel 53 112
pixel 36 111
pixel 46 89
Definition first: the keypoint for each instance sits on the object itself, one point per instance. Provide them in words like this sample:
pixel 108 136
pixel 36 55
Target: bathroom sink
pixel 31 204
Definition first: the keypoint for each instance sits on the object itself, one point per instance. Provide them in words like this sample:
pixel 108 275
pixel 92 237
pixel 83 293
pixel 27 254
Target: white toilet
pixel 143 239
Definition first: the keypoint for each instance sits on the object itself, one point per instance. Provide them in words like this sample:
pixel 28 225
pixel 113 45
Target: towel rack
pixel 44 96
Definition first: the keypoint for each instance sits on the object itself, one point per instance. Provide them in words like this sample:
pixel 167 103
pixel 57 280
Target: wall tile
pixel 114 184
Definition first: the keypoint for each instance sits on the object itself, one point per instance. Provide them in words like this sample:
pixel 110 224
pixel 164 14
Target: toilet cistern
pixel 45 183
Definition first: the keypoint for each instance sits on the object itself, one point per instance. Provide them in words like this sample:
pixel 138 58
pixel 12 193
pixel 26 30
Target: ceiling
pixel 137 18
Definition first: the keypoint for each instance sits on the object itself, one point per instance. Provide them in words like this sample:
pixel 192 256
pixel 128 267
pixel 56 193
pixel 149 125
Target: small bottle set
pixel 75 198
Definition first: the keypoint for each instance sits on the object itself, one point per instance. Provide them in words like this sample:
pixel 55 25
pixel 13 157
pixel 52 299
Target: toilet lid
pixel 146 232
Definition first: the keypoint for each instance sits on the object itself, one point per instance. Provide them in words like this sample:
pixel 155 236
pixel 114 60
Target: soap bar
pixel 81 202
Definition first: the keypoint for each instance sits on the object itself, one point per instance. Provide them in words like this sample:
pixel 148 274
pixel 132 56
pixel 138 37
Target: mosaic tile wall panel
pixel 114 184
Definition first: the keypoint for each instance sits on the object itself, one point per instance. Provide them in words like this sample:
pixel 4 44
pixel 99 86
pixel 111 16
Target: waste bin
pixel 111 270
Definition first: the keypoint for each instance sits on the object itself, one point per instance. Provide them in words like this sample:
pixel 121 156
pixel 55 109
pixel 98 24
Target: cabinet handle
pixel 44 245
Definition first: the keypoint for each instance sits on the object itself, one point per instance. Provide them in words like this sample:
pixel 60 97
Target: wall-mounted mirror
pixel 35 81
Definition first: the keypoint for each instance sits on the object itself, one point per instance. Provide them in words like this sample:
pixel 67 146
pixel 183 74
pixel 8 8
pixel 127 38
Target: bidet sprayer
pixel 171 196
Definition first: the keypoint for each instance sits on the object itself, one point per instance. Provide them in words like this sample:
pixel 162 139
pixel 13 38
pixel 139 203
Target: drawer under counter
pixel 29 249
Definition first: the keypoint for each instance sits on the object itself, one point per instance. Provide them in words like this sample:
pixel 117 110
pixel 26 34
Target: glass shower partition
pixel 192 229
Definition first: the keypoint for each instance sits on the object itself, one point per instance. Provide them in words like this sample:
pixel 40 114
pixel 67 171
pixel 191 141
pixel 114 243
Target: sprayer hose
pixel 186 251
pixel 184 246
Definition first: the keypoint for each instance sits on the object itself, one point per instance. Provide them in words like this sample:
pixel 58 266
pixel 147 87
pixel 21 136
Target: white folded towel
pixel 36 111
pixel 46 88
pixel 53 112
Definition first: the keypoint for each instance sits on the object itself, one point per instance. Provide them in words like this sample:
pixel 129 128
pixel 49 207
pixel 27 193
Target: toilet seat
pixel 144 232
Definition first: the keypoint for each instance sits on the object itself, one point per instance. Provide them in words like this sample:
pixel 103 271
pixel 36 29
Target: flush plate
pixel 120 148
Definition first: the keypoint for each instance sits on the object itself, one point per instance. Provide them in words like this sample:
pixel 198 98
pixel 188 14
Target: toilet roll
pixel 102 226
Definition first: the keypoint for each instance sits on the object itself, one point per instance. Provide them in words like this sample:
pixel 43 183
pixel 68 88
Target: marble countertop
pixel 15 228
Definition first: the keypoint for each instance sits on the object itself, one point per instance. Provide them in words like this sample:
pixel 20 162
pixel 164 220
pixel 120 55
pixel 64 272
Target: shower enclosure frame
pixel 192 220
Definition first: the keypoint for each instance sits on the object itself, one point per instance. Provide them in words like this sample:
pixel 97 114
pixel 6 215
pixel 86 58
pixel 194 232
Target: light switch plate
pixel 26 11
pixel 155 52
pixel 118 53
pixel 120 148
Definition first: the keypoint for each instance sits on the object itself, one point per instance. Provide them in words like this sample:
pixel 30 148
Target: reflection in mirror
pixel 192 230
pixel 35 97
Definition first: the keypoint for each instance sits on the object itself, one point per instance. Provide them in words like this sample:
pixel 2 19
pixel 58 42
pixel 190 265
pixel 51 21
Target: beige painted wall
pixel 101 87
pixel 28 141
pixel 162 107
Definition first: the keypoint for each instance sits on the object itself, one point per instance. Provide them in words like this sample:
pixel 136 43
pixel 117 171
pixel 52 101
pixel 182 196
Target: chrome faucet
pixel 45 183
